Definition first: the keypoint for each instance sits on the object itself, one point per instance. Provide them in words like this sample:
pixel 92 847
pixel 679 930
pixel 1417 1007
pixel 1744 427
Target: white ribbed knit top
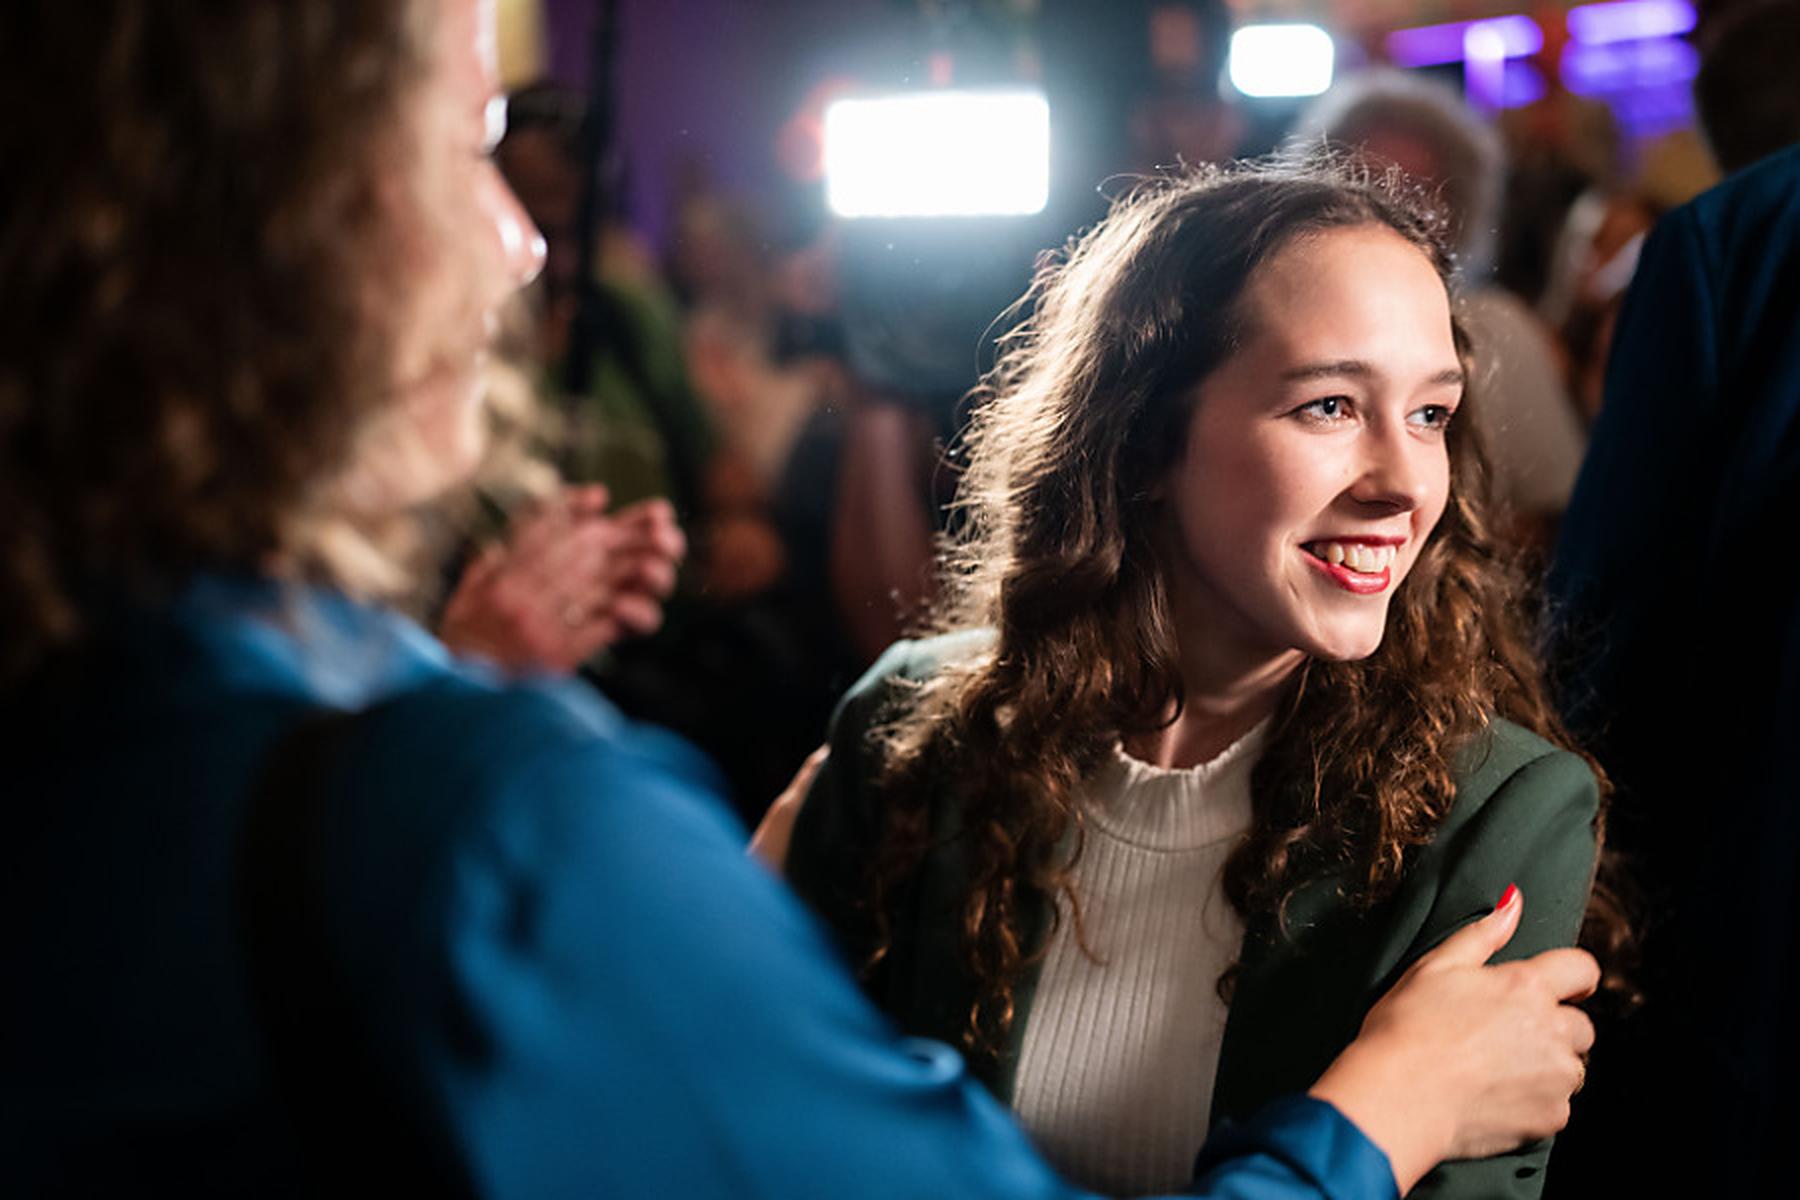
pixel 1116 1067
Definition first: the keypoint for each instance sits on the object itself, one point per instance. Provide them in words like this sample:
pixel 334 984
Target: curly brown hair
pixel 1083 416
pixel 202 293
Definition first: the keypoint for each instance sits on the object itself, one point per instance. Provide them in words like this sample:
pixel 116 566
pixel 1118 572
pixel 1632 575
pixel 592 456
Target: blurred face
pixel 470 247
pixel 1315 465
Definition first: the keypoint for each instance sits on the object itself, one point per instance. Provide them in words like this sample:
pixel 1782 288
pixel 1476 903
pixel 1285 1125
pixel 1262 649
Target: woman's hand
pixel 1463 1060
pixel 769 843
pixel 568 581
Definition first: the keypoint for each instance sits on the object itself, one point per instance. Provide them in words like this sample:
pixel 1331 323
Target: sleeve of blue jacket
pixel 631 1007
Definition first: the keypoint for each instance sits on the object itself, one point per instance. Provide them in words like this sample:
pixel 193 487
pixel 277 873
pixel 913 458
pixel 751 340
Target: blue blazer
pixel 559 953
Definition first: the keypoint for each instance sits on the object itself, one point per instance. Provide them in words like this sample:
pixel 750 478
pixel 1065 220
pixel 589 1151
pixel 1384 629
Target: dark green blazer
pixel 1524 813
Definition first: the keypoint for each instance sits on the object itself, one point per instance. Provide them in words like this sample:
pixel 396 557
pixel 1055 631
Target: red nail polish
pixel 1506 897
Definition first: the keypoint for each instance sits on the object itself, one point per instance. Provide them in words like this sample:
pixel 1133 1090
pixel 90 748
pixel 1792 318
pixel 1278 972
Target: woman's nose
pixel 522 246
pixel 1396 472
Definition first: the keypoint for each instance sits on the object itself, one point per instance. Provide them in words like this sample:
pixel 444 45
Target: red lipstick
pixel 1355 581
pixel 1363 583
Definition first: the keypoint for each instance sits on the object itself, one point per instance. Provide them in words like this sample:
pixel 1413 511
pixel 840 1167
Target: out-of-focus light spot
pixel 1281 60
pixel 1524 84
pixel 1589 70
pixel 938 154
pixel 1484 66
pixel 1629 21
pixel 1648 112
pixel 1430 45
pixel 519 41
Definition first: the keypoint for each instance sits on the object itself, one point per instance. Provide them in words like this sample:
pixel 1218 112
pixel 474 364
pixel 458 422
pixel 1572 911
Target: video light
pixel 938 154
pixel 1281 60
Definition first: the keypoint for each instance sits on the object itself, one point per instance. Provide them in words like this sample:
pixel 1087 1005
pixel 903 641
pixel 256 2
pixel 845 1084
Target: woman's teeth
pixel 1358 557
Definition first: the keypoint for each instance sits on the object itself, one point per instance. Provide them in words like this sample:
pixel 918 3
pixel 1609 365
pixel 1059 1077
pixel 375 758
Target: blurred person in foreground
pixel 480 937
pixel 1534 438
pixel 1679 616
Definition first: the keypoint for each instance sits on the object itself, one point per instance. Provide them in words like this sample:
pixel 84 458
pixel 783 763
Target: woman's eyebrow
pixel 1353 367
pixel 1356 368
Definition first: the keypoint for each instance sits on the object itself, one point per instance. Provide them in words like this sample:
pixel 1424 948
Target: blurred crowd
pixel 739 371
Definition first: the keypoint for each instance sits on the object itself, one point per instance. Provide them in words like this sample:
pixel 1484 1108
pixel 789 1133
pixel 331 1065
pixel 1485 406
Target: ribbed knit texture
pixel 1116 1069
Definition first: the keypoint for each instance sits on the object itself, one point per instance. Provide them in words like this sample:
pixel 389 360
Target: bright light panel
pixel 1281 60
pixel 938 154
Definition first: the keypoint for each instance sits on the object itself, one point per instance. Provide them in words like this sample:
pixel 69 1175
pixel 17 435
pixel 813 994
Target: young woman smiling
pixel 1232 712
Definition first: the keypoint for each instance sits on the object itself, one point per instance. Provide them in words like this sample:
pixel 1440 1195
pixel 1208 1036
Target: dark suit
pixel 1524 814
pixel 1678 606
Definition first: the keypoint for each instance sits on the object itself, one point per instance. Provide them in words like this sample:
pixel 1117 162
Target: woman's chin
pixel 441 445
pixel 1349 645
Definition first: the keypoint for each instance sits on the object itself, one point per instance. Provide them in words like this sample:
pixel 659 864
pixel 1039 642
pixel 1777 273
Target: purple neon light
pixel 1591 70
pixel 1652 111
pixel 1429 45
pixel 1506 83
pixel 1524 84
pixel 1629 21
pixel 1484 66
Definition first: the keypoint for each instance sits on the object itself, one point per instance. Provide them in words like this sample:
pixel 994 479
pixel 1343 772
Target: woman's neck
pixel 1220 704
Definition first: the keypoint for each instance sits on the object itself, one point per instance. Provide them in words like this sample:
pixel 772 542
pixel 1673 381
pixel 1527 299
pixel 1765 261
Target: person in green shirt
pixel 1232 712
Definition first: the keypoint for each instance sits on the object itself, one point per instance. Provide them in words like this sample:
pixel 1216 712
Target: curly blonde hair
pixel 1080 421
pixel 203 289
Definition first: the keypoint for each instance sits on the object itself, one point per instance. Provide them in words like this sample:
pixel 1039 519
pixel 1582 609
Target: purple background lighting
pixel 1429 45
pixel 1651 111
pixel 709 103
pixel 1524 84
pixel 1652 63
pixel 1484 66
pixel 1629 20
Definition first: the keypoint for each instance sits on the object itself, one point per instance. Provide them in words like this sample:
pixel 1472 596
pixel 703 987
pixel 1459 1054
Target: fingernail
pixel 1508 896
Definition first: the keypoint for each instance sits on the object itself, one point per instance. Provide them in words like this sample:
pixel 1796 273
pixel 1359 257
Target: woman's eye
pixel 1325 409
pixel 1434 416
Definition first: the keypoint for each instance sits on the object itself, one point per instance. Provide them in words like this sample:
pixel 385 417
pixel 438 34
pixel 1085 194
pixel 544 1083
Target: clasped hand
pixel 568 580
